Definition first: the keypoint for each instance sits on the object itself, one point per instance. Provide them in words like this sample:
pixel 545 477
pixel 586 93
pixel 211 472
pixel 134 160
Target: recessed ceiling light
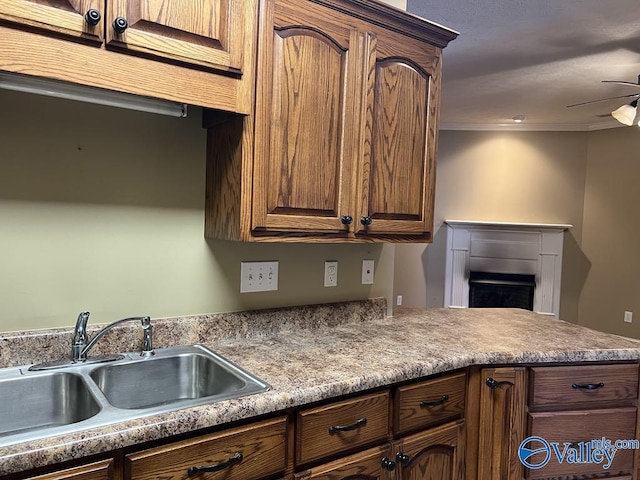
pixel 518 118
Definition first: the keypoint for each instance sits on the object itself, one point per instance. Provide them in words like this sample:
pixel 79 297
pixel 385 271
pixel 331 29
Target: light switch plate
pixel 258 277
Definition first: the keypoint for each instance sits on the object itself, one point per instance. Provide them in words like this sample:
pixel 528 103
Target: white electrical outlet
pixel 628 317
pixel 399 300
pixel 330 273
pixel 258 276
pixel 367 272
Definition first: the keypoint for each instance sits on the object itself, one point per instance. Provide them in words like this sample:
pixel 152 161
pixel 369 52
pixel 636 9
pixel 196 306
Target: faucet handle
pixel 147 339
pixel 81 322
pixel 79 337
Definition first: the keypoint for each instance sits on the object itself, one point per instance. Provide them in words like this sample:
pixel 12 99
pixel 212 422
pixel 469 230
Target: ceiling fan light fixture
pixel 626 114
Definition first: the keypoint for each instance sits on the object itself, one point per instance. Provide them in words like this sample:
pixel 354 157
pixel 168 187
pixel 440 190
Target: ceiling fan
pixel 617 82
pixel 626 114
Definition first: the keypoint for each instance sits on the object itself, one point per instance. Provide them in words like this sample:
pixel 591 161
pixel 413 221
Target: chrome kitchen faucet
pixel 81 343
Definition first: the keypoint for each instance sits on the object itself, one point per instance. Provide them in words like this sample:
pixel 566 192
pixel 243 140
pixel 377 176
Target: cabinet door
pixel 305 118
pixel 65 17
pixel 436 454
pixel 402 112
pixel 201 32
pixel 367 465
pixel 502 423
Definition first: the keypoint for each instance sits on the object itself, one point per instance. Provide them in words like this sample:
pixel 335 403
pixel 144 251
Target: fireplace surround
pixel 505 249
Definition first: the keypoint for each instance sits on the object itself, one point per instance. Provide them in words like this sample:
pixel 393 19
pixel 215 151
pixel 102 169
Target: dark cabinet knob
pixel 492 383
pixel 92 17
pixel 120 24
pixel 366 221
pixel 388 464
pixel 403 459
pixel 346 219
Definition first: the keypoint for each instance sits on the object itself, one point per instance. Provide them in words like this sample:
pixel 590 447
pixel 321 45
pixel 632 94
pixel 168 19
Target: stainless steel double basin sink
pixel 75 397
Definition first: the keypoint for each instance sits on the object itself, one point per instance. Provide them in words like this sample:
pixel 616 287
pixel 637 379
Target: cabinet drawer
pixel 341 426
pixel 366 465
pixel 583 384
pixel 576 426
pixel 93 471
pixel 249 452
pixel 429 402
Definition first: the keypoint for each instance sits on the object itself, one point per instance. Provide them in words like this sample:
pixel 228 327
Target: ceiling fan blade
pixel 637 95
pixel 619 82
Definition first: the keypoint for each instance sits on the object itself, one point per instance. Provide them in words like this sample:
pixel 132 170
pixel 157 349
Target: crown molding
pixel 531 127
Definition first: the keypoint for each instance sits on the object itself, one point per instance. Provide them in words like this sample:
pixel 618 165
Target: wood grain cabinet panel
pixel 65 17
pixel 202 32
pixel 583 385
pixel 427 403
pixel 365 465
pixel 305 113
pixel 570 428
pixel 436 454
pixel 341 426
pixel 402 110
pixel 244 453
pixel 502 423
pixel 343 141
pixel 102 470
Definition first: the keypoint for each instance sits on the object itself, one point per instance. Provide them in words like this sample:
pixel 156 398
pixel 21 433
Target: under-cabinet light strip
pixel 82 93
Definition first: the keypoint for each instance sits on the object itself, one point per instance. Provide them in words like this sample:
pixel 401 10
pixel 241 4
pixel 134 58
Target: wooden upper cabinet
pixel 81 19
pixel 305 113
pixel 342 143
pixel 402 112
pixel 202 32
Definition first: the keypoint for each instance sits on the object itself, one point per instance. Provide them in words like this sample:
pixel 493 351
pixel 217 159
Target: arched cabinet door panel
pixel 436 454
pixel 305 114
pixel 208 33
pixel 398 176
pixel 80 19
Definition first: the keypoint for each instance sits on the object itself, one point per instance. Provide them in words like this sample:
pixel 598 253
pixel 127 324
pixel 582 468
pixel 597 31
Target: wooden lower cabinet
pixel 341 427
pixel 436 454
pixel 578 428
pixel 252 452
pixel 498 423
pixel 92 471
pixel 367 465
pixel 565 407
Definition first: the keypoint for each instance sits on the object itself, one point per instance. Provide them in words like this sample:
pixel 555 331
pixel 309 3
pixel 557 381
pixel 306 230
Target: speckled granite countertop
pixel 309 355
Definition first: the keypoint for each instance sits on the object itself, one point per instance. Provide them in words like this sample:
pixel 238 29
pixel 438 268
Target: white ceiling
pixel 533 58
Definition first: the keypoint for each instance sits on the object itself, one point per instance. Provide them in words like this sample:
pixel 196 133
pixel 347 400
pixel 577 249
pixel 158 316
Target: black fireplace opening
pixel 501 290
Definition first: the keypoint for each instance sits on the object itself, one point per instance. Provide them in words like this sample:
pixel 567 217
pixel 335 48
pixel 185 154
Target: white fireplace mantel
pixel 505 247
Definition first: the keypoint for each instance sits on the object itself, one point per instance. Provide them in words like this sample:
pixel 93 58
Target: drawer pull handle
pixel 347 428
pixel 388 464
pixel 435 403
pixel 587 386
pixel 237 458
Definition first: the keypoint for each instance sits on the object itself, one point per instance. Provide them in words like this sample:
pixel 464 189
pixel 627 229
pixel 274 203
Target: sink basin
pixel 44 401
pixel 157 381
pixel 78 396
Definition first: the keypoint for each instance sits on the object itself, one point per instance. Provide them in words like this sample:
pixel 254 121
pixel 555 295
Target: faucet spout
pixel 82 345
